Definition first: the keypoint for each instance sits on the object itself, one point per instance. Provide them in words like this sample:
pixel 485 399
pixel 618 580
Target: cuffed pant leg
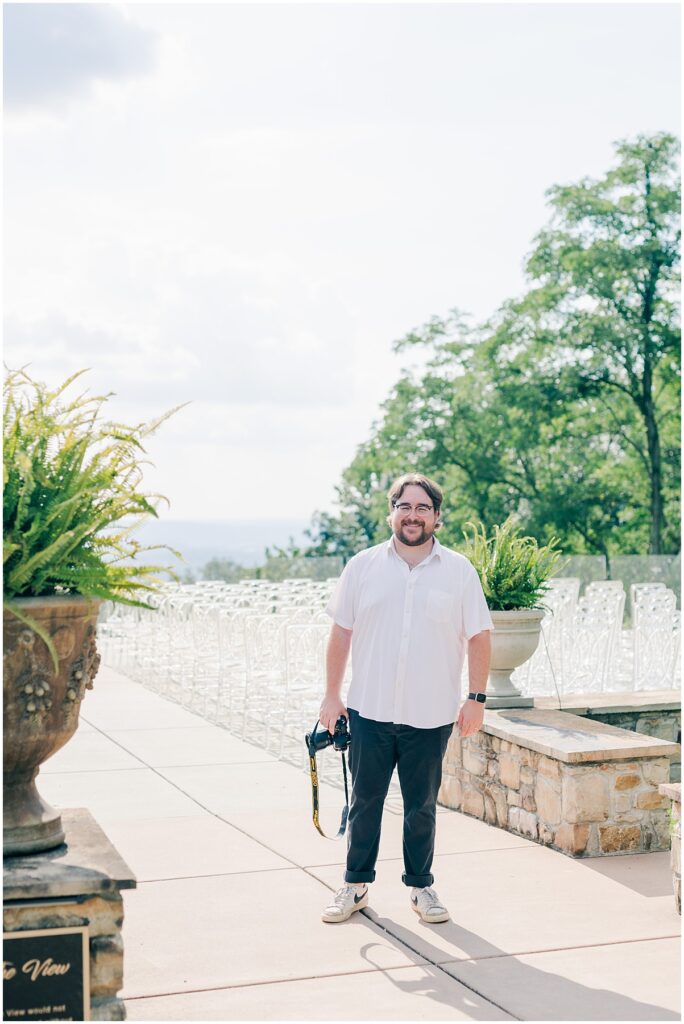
pixel 372 757
pixel 420 753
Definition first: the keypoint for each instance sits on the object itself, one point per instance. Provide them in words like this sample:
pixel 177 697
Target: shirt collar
pixel 435 553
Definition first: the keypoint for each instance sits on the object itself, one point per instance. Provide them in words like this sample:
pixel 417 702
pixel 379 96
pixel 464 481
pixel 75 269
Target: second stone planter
pixel 514 640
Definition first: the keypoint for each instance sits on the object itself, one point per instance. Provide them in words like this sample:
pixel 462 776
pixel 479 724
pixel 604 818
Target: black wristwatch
pixel 479 697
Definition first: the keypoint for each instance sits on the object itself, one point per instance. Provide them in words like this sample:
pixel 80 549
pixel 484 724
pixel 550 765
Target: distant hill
pixel 242 541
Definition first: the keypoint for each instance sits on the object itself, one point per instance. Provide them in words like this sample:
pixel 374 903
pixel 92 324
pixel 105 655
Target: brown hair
pixel 429 486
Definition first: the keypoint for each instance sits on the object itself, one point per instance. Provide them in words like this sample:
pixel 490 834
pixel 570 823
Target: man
pixel 411 605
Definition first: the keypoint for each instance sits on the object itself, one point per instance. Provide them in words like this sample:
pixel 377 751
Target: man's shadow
pixel 559 997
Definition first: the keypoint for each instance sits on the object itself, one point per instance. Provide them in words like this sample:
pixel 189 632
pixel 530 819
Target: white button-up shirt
pixel 410 628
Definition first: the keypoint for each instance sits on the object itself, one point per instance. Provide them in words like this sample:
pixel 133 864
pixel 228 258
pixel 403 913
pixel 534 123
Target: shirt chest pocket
pixel 439 606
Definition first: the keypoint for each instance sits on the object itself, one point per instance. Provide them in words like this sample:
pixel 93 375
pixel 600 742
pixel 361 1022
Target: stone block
pixel 493 769
pixel 627 781
pixel 450 792
pixel 548 800
pixel 473 803
pixel 102 916
pixel 527 774
pixel 496 744
pixel 656 771
pixel 527 757
pixel 474 761
pixel 619 838
pixel 501 806
pixel 523 822
pixel 513 798
pixel 548 767
pixel 592 848
pixel 528 801
pixel 585 798
pixel 628 816
pixel 622 802
pixel 572 839
pixel 106 965
pixel 489 809
pixel 662 727
pixel 107 1009
pixel 651 800
pixel 661 826
pixel 454 751
pixel 545 834
pixel 509 771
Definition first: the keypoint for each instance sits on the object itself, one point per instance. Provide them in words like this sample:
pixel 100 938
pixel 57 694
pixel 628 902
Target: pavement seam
pixel 144 765
pixel 99 771
pixel 315 977
pixel 439 967
pixel 214 814
pixel 559 949
pixel 453 853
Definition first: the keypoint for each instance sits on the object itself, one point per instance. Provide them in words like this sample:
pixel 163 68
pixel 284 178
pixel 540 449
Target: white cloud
pixel 54 52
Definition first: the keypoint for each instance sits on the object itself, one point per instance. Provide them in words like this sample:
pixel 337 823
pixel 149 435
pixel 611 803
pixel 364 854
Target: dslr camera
pixel 320 738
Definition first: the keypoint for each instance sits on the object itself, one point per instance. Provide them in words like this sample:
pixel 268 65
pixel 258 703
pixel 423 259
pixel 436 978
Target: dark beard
pixel 420 538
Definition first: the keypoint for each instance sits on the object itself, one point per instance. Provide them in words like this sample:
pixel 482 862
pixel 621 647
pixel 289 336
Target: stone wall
pixel 103 916
pixel 597 807
pixel 673 792
pixel 666 724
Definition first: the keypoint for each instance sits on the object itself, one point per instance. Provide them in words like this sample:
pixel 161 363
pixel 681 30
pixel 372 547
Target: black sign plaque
pixel 46 975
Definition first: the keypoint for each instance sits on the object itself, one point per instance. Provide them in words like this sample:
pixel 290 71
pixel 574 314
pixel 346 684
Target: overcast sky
pixel 243 206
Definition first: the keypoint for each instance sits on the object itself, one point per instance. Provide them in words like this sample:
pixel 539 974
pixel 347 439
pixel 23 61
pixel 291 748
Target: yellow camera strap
pixel 314 794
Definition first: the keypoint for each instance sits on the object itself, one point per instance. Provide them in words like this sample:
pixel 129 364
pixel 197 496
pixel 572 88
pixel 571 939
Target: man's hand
pixel 331 709
pixel 470 718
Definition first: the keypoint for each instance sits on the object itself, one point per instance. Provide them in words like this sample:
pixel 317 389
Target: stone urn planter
pixel 514 641
pixel 41 709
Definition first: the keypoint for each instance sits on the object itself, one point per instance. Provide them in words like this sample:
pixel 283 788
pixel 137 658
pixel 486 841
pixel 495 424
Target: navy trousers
pixel 376 748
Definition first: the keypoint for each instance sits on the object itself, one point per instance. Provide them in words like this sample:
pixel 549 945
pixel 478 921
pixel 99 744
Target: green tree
pixel 562 408
pixel 602 320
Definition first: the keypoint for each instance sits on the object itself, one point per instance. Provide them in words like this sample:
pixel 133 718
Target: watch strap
pixel 479 697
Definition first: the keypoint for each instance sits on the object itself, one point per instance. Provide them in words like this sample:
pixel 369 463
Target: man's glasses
pixel 404 508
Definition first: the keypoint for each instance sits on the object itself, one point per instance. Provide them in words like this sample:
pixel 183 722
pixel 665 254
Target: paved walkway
pixel 224 924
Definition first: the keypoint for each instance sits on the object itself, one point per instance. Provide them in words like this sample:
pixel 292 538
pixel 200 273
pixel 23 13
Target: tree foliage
pixel 563 408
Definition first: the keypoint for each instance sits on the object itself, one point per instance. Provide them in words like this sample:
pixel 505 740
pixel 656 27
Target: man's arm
pixel 479 656
pixel 471 714
pixel 336 656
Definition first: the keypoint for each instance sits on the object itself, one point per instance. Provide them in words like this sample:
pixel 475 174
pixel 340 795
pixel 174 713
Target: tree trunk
pixel 655 479
pixel 655 469
pixel 646 403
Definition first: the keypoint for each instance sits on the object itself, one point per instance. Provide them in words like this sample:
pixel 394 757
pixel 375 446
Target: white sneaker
pixel 345 901
pixel 427 903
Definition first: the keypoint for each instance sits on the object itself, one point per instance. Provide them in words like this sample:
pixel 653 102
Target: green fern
pixel 71 487
pixel 513 569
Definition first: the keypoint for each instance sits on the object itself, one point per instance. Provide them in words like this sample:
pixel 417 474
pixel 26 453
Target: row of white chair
pixel 251 656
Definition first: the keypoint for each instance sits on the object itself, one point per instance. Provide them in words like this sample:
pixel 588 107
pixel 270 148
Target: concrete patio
pixel 225 922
